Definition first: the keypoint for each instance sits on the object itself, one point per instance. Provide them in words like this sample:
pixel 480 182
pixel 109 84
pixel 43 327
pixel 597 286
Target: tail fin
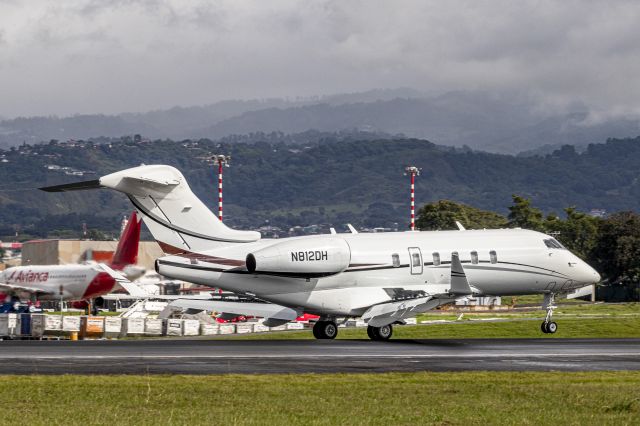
pixel 127 251
pixel 178 220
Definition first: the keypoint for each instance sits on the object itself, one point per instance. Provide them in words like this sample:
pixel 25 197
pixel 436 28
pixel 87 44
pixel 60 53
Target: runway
pixel 315 356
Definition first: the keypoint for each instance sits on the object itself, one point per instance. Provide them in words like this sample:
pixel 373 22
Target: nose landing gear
pixel 548 326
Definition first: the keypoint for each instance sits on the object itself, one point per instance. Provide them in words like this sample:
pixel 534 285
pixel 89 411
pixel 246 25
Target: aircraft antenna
pixel 221 161
pixel 412 171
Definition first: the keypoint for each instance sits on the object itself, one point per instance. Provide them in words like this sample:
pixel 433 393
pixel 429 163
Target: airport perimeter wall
pixel 41 326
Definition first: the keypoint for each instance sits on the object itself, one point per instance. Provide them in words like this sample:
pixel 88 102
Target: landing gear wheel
pixel 371 332
pixel 552 327
pixel 380 333
pixel 549 327
pixel 325 330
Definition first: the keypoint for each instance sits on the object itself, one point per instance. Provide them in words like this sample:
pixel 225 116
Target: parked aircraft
pixel 74 282
pixel 382 277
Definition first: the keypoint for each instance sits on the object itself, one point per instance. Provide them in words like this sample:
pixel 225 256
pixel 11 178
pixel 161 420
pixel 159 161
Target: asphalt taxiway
pixel 318 356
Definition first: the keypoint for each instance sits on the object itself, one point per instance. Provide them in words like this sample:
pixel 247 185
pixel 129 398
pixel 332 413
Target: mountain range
pixel 508 123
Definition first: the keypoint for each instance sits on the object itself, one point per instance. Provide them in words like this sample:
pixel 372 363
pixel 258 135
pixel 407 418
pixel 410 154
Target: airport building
pixel 62 252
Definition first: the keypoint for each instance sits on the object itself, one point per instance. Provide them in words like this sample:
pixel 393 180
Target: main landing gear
pixel 325 330
pixel 548 326
pixel 380 333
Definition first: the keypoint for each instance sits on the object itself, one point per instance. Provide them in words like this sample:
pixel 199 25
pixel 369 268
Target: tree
pixel 618 248
pixel 443 215
pixel 579 232
pixel 97 235
pixel 522 215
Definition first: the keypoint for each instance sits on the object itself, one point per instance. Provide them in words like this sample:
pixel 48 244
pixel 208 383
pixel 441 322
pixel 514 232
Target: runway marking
pixel 320 357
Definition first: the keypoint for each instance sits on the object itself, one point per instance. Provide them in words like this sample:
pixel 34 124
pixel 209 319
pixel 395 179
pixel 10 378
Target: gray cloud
pixel 92 56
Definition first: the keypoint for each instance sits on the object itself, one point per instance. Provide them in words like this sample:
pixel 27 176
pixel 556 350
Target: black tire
pixel 317 330
pixel 325 330
pixel 552 327
pixel 371 332
pixel 385 332
pixel 380 333
pixel 543 327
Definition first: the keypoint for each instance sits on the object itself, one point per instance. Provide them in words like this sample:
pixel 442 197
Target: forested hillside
pixel 331 179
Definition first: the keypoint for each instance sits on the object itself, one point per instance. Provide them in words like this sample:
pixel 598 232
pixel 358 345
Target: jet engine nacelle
pixel 304 258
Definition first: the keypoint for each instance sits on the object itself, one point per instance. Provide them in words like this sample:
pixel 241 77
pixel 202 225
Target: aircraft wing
pixel 34 290
pixel 123 281
pixel 274 314
pixel 390 312
pixel 581 292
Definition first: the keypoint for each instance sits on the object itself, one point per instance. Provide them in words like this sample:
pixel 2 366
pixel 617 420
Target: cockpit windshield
pixel 552 243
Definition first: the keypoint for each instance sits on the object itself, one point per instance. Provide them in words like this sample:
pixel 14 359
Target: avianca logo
pixel 28 277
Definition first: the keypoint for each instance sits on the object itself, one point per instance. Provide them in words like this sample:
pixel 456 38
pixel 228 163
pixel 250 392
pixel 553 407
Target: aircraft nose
pixel 587 274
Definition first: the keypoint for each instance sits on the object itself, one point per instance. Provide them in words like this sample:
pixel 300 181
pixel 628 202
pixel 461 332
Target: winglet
pixel 460 227
pixel 459 283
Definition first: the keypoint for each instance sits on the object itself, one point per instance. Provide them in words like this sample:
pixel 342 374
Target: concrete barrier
pixel 173 327
pixel 153 326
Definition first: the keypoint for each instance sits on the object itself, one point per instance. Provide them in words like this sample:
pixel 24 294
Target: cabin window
pixel 474 257
pixel 415 260
pixel 436 259
pixel 395 259
pixel 493 256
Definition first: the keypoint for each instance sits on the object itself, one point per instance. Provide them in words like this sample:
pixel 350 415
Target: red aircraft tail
pixel 127 251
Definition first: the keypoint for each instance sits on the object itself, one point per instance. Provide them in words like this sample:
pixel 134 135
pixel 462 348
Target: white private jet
pixel 382 277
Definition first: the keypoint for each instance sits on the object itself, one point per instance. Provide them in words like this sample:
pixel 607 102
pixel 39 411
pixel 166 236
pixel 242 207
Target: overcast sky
pixel 86 56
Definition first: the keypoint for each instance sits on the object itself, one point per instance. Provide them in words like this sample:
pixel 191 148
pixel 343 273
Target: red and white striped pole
pixel 413 171
pixel 220 190
pixel 413 201
pixel 221 161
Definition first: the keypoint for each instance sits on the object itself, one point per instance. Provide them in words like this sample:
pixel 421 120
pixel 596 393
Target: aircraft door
pixel 415 261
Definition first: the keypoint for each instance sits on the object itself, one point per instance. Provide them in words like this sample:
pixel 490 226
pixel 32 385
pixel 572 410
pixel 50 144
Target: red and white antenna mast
pixel 412 171
pixel 221 161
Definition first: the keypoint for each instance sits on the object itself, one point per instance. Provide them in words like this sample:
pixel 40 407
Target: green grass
pixel 567 328
pixel 563 310
pixel 574 321
pixel 469 398
pixel 78 313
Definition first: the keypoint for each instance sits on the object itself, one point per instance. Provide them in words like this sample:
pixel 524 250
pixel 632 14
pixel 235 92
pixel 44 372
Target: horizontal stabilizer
pixel 76 186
